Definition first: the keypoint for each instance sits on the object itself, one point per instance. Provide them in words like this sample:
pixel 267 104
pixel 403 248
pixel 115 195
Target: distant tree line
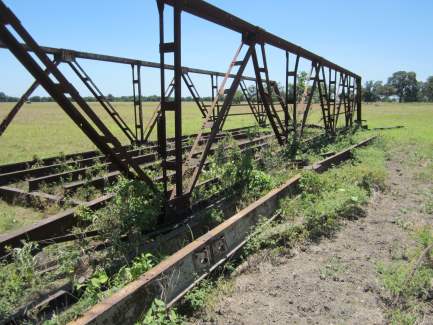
pixel 110 97
pixel 402 86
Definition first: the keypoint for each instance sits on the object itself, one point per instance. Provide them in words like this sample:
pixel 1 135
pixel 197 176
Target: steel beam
pixel 58 86
pixel 220 17
pixel 121 60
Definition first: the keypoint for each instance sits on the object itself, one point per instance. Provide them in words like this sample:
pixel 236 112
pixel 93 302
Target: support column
pixel 358 102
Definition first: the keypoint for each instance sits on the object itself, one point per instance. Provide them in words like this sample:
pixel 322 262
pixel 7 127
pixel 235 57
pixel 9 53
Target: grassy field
pixel 43 129
pixel 319 209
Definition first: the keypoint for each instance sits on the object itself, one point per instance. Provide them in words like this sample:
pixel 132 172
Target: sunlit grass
pixel 43 129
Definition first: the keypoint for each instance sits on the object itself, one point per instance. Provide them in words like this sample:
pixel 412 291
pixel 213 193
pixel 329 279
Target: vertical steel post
pixel 359 102
pixel 214 85
pixel 286 101
pixel 178 202
pixel 161 120
pixel 295 97
pixel 178 99
pixel 138 106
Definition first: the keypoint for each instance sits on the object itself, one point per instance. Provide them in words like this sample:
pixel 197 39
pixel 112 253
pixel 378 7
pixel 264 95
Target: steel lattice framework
pixel 337 90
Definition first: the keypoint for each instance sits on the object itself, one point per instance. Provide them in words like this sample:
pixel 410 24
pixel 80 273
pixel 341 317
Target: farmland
pixel 43 129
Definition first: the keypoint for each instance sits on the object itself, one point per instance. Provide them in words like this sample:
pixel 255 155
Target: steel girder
pixel 252 36
pixel 342 97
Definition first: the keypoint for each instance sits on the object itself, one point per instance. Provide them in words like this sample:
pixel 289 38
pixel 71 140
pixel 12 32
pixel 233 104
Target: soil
pixel 334 281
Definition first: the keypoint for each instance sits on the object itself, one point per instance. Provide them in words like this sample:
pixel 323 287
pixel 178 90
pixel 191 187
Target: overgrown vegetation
pixel 326 199
pixel 17 279
pixel 133 210
pixel 158 314
pixel 237 171
pixel 101 285
pixel 408 279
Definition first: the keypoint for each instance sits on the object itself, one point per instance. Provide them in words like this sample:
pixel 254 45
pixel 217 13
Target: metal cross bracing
pixel 65 55
pixel 265 91
pixel 257 109
pixel 252 37
pixel 332 88
pixel 291 99
pixel 65 94
pixel 108 107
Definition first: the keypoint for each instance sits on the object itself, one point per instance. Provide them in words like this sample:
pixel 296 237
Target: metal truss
pixel 254 42
pixel 286 111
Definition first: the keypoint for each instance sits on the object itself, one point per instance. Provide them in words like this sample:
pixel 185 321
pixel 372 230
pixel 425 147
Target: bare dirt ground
pixel 334 281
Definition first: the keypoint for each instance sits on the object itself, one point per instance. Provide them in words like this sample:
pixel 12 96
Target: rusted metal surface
pixel 339 92
pixel 61 223
pixel 122 60
pixel 323 76
pixel 52 226
pixel 218 16
pixel 178 273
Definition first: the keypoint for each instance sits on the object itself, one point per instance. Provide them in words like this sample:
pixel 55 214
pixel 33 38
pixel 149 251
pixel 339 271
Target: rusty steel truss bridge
pixel 336 90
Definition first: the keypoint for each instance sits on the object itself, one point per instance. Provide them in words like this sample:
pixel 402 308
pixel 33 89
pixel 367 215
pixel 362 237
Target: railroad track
pixel 198 259
pixel 58 225
pixel 56 228
pixel 203 255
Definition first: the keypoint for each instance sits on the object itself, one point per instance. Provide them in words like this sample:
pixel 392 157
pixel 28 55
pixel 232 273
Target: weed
pixel 196 298
pixel 101 285
pixel 271 235
pixel 332 269
pixel 140 265
pixel 409 281
pixel 214 217
pixel 403 223
pixel 204 297
pixel 159 315
pixel 8 221
pixel 237 172
pixel 399 317
pixel 17 279
pixel 428 206
pixel 133 210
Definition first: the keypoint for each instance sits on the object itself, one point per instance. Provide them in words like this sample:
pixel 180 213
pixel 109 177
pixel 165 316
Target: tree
pixel 427 89
pixel 252 91
pixel 238 97
pixel 370 92
pixel 385 91
pixel 301 84
pixel 3 97
pixel 405 85
pixel 35 99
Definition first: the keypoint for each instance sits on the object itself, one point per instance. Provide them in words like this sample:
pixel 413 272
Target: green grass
pixel 43 129
pixel 14 217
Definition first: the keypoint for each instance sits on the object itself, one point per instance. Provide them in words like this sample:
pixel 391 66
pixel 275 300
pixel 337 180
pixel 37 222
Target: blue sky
pixel 371 38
